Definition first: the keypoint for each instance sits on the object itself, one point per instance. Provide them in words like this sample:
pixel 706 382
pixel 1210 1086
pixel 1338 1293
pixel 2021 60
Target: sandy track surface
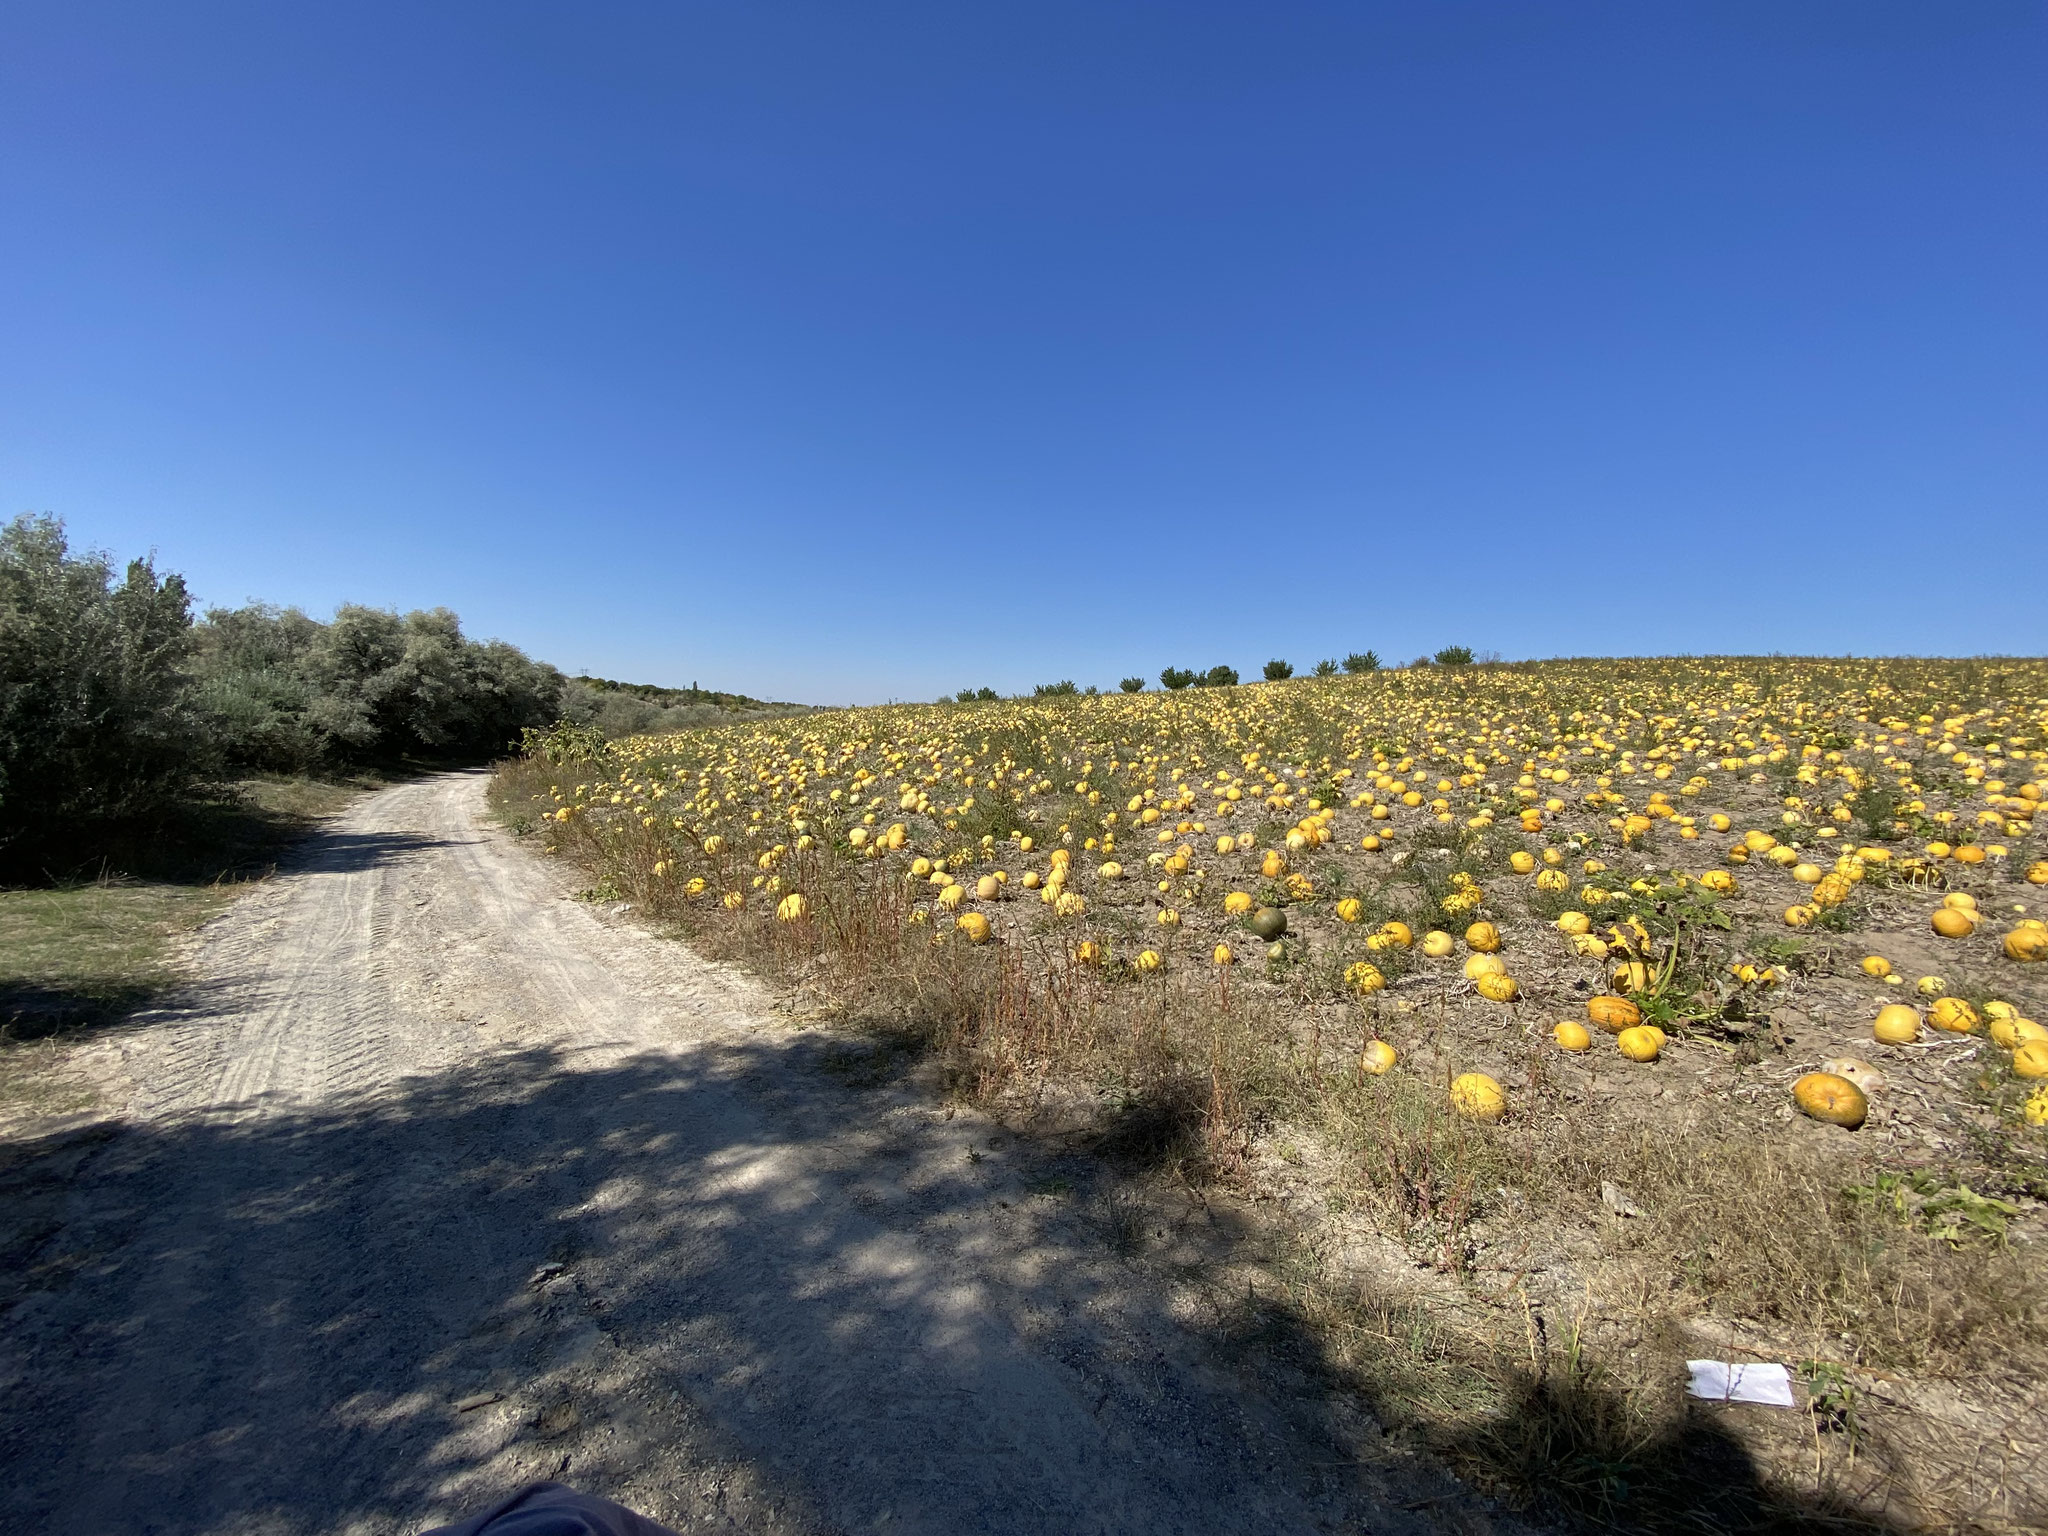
pixel 440 1181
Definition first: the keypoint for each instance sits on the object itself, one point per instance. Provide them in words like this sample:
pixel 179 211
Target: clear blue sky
pixel 844 352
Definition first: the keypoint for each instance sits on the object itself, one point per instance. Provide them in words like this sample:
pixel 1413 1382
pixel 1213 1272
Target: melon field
pixel 1542 1025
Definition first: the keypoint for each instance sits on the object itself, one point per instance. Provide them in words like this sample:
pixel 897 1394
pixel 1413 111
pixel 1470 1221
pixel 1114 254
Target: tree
pixel 285 692
pixel 1176 678
pixel 1454 656
pixel 96 718
pixel 1279 671
pixel 1326 668
pixel 1362 661
pixel 1132 685
pixel 1063 689
pixel 1220 677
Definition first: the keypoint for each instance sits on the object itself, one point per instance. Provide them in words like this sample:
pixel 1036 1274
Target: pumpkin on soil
pixel 1497 987
pixel 975 926
pixel 1571 1035
pixel 1478 1097
pixel 1834 1099
pixel 1954 1015
pixel 1269 923
pixel 1641 1042
pixel 2027 944
pixel 1952 923
pixel 1613 1014
pixel 1483 937
pixel 1896 1024
pixel 1379 1057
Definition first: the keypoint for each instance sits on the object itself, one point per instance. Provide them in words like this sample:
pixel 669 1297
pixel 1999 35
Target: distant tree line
pixel 1173 679
pixel 115 703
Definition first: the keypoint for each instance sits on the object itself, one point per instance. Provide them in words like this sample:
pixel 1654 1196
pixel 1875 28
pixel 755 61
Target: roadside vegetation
pixel 152 764
pixel 1540 1011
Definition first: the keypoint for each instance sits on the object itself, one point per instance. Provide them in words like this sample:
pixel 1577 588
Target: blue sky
pixel 843 353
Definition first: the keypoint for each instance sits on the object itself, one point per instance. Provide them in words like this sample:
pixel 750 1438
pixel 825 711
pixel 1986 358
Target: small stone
pixel 1615 1200
pixel 476 1400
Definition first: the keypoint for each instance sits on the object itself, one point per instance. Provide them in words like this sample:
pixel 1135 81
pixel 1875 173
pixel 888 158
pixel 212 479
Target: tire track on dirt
pixel 440 1181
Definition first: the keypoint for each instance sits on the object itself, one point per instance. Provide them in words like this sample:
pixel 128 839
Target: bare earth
pixel 441 1181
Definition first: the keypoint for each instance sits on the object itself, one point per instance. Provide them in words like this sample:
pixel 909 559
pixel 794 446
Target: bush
pixel 1176 678
pixel 1454 656
pixel 284 692
pixel 1326 668
pixel 1220 677
pixel 96 725
pixel 1279 671
pixel 1064 689
pixel 1362 661
pixel 1132 685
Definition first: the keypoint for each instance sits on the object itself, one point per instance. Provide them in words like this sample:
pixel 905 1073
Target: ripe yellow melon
pixel 1379 1057
pixel 1954 1015
pixel 1483 937
pixel 1896 1024
pixel 1571 1035
pixel 1641 1042
pixel 975 926
pixel 1952 923
pixel 1498 987
pixel 1478 1097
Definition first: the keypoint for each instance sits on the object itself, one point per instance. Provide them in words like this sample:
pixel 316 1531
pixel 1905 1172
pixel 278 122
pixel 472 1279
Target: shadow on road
pixel 219 1325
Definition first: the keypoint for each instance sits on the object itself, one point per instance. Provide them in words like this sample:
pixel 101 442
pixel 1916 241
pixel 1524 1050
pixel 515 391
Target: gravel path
pixel 439 1181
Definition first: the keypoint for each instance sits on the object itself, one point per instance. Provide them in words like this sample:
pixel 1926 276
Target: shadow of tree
pixel 688 1288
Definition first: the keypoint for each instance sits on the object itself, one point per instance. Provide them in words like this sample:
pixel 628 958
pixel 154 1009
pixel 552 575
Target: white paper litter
pixel 1721 1381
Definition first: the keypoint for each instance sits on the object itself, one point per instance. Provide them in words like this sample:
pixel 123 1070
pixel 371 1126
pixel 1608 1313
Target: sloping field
pixel 1357 950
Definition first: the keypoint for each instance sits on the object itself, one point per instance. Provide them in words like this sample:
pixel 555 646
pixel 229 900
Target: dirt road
pixel 439 1181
